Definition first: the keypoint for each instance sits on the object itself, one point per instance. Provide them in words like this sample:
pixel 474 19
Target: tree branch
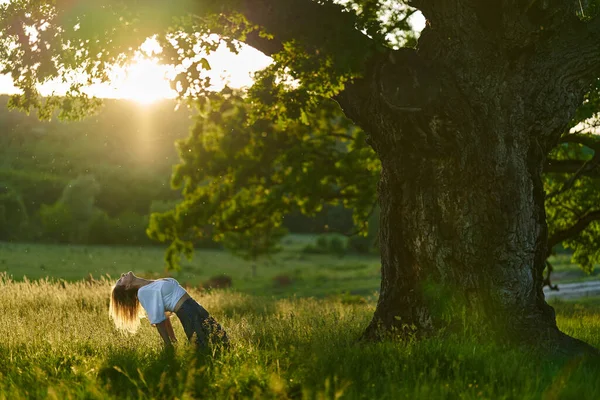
pixel 571 167
pixel 547 281
pixel 588 140
pixel 365 221
pixel 574 229
pixel 320 28
pixel 581 48
pixel 587 166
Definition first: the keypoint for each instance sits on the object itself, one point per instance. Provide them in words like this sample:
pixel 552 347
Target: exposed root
pixel 565 346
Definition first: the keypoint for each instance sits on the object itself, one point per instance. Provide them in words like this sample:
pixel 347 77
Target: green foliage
pixel 74 218
pixel 239 171
pixel 387 21
pixel 13 215
pixel 337 246
pixel 68 220
pixel 127 228
pixel 567 209
pixel 43 40
pixel 588 9
pixel 572 186
pixel 256 242
pixel 329 219
pixel 79 196
pixel 328 244
pixel 129 150
pixel 586 247
pixel 590 106
pixel 58 224
pixel 161 206
pixel 367 242
pixel 34 187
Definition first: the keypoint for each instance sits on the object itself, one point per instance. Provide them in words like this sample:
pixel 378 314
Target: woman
pixel 159 298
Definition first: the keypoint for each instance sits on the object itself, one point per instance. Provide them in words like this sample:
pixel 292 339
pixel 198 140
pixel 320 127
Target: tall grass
pixel 56 341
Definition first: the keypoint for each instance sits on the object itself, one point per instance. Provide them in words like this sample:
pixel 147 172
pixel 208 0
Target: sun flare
pixel 144 81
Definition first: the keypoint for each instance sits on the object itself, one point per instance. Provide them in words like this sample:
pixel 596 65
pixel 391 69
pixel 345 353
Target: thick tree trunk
pixel 462 134
pixel 463 230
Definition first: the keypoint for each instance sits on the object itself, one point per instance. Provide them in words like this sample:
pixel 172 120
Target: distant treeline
pixel 96 181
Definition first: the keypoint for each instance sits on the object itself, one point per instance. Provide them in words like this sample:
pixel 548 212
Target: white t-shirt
pixel 160 296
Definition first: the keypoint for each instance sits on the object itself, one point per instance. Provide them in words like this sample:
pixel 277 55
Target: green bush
pixel 128 228
pixel 34 188
pixel 13 215
pixel 68 220
pixel 322 243
pixel 58 224
pixel 361 244
pixel 327 244
pixel 337 246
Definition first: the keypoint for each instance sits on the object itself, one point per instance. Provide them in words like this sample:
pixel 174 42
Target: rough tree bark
pixel 462 125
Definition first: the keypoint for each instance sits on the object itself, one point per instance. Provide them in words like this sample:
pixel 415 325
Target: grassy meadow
pixel 294 341
pixel 58 342
pixel 306 274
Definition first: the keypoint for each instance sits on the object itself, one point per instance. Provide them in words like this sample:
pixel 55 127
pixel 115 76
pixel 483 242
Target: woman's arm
pixel 164 333
pixel 170 329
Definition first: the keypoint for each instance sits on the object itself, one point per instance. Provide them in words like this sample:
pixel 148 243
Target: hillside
pixel 127 147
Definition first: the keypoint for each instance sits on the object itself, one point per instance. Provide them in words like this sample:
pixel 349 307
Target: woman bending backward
pixel 131 294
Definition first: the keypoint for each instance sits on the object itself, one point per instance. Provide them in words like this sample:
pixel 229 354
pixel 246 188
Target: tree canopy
pixel 572 184
pixel 252 157
pixel 242 172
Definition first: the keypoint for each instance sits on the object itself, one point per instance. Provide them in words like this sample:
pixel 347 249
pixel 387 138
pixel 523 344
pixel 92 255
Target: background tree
pixel 462 124
pixel 240 170
pixel 13 215
pixel 572 185
pixel 255 243
pixel 69 219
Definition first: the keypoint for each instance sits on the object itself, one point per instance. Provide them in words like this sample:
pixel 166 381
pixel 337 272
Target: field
pixel 309 274
pixel 289 341
pixel 58 342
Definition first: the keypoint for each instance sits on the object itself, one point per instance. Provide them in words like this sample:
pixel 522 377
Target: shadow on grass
pixel 340 366
pixel 437 368
pixel 168 373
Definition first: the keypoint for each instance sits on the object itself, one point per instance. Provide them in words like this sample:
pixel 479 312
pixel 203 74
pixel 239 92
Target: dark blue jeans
pixel 195 319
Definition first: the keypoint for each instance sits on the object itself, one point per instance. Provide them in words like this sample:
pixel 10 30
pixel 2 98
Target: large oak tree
pixel 461 124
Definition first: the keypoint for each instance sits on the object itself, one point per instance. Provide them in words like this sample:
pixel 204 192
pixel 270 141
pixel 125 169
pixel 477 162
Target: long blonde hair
pixel 125 308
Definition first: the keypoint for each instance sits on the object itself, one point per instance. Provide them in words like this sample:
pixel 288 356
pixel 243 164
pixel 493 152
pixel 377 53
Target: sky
pixel 146 81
